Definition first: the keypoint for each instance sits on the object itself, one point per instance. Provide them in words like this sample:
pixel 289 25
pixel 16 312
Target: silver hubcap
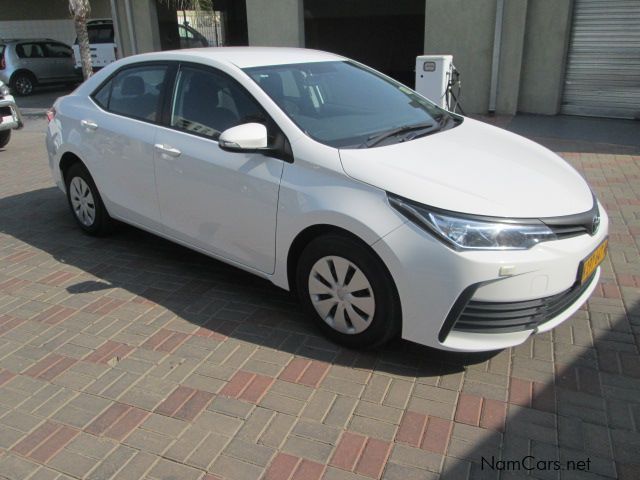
pixel 24 86
pixel 82 201
pixel 342 295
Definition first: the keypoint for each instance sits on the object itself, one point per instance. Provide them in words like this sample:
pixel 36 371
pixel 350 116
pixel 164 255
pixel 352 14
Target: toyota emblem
pixel 595 223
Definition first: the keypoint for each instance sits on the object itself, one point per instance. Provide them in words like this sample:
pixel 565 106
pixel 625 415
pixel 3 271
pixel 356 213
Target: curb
pixel 33 112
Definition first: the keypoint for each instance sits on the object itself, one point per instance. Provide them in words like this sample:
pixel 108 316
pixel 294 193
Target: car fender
pixel 360 209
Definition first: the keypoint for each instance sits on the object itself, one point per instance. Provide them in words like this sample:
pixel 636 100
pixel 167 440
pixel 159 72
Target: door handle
pixel 88 124
pixel 166 149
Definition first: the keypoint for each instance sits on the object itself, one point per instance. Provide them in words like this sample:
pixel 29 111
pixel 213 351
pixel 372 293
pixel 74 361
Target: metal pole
pixel 132 32
pixel 495 61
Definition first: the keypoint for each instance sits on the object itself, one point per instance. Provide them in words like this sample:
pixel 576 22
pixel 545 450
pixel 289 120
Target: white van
pixel 102 42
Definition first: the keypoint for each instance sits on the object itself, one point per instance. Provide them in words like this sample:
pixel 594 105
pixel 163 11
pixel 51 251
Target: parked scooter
pixel 10 118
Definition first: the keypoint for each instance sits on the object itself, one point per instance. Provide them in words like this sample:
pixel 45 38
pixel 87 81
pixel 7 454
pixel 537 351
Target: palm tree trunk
pixel 80 23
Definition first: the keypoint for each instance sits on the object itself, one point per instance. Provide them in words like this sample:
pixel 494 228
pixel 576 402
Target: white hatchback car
pixel 386 214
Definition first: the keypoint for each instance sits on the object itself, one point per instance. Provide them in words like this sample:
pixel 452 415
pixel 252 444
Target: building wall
pixel 43 18
pixel 277 23
pixel 47 9
pixel 535 38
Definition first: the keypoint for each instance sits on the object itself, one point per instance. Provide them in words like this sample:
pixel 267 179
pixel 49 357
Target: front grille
pixel 502 317
pixel 567 231
pixel 573 225
pixel 4 111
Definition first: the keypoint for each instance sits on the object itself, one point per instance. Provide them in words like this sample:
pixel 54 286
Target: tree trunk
pixel 80 22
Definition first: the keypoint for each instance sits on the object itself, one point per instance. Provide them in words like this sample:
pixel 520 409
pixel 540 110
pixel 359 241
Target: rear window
pixel 100 34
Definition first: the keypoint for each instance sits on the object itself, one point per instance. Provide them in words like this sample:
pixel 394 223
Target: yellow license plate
pixel 589 264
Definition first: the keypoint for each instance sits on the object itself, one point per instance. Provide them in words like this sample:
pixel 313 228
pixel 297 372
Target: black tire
pixel 5 136
pixel 23 83
pixel 386 321
pixel 101 224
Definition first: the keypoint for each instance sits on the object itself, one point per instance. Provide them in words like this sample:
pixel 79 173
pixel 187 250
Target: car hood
pixel 474 168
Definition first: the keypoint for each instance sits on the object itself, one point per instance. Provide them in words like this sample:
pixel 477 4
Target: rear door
pixel 121 134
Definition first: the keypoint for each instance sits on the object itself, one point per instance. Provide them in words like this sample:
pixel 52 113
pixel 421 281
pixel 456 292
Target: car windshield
pixel 346 105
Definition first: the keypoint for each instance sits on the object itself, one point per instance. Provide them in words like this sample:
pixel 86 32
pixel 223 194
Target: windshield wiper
pixel 379 137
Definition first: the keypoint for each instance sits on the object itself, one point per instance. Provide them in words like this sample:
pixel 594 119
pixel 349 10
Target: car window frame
pixel 168 104
pixel 172 68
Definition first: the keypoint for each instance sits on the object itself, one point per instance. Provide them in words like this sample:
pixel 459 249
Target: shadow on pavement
pixel 197 287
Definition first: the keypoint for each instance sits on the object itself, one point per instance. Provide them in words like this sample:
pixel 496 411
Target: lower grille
pixel 502 317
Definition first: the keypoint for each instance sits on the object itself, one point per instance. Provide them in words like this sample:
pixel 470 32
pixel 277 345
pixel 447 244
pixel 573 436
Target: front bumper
pixel 431 280
pixel 10 117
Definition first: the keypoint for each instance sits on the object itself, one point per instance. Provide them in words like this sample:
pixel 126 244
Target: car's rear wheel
pixel 85 202
pixel 5 136
pixel 23 83
pixel 347 289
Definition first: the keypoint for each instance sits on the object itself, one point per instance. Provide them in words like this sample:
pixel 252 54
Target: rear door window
pixel 134 92
pixel 30 50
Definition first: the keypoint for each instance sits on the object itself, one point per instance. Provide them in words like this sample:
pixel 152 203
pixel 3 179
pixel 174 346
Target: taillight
pixel 3 65
pixel 51 114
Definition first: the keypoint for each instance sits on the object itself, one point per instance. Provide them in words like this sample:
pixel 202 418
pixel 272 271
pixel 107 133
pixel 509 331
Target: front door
pixel 222 202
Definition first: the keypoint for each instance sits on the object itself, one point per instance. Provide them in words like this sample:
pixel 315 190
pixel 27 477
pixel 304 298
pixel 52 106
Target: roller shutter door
pixel 603 64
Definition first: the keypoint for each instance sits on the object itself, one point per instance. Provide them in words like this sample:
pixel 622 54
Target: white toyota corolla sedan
pixel 386 214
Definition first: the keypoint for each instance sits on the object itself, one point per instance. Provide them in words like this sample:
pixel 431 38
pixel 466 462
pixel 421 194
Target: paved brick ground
pixel 129 357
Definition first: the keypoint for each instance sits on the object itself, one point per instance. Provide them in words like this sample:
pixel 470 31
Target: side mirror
pixel 248 137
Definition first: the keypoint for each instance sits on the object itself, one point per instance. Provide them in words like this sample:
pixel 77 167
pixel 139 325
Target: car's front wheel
pixel 85 202
pixel 347 289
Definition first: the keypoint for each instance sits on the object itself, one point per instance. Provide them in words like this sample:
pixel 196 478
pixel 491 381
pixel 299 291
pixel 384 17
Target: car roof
pixel 246 57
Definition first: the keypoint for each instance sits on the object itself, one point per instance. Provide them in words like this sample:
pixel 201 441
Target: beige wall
pixel 275 23
pixel 47 9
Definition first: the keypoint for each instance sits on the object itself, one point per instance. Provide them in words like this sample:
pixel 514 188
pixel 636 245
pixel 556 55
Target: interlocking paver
pixel 130 357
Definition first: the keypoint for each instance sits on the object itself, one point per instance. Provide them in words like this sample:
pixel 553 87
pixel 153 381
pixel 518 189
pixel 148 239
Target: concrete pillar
pixel 511 51
pixel 548 29
pixel 275 23
pixel 465 30
pixel 145 21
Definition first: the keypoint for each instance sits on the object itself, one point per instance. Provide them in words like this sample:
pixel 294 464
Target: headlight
pixel 4 90
pixel 469 232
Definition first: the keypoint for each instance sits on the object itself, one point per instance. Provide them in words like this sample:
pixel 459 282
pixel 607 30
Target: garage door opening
pixel 385 35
